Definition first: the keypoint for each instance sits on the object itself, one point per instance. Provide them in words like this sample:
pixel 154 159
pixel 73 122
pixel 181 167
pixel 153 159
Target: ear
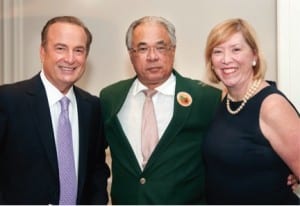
pixel 255 58
pixel 42 54
pixel 174 50
pixel 131 55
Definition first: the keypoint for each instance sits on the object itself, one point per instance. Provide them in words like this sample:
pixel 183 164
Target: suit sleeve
pixel 3 124
pixel 99 170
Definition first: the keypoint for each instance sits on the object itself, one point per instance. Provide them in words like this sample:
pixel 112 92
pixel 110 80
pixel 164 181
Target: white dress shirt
pixel 54 95
pixel 130 115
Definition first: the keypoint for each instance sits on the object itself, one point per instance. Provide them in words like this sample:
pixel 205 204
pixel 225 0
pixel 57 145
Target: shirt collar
pixel 167 88
pixel 53 94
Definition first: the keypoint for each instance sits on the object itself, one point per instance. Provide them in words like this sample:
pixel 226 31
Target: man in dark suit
pixel 183 107
pixel 29 162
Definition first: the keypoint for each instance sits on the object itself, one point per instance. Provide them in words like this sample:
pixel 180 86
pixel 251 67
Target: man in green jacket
pixel 174 173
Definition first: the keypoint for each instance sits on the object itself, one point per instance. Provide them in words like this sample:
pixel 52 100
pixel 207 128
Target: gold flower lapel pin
pixel 184 99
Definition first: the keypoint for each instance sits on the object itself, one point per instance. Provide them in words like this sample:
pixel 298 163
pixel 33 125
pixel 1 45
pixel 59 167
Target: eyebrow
pixel 157 43
pixel 233 45
pixel 237 44
pixel 60 44
pixel 65 45
pixel 80 47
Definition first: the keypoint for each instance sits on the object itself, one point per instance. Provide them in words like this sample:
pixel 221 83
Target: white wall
pixel 22 21
pixel 288 16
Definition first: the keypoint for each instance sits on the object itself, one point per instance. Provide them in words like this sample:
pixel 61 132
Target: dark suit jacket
pixel 28 161
pixel 174 173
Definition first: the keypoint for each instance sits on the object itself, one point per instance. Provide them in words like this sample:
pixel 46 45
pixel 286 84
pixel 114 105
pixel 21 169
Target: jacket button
pixel 143 180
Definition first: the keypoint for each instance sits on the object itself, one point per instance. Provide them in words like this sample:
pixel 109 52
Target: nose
pixel 69 57
pixel 152 54
pixel 226 58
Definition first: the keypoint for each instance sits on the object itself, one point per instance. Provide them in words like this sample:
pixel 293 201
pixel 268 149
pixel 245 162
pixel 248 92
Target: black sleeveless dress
pixel 241 166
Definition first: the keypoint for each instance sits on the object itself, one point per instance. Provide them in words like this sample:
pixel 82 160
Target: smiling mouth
pixel 67 68
pixel 229 70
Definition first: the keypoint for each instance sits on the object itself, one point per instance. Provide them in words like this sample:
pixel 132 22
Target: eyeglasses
pixel 144 49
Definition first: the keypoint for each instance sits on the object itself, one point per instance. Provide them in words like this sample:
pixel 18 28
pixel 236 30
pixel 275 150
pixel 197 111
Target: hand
pixel 292 181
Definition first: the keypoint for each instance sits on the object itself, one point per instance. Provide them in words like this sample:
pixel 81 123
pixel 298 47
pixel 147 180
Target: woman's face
pixel 232 61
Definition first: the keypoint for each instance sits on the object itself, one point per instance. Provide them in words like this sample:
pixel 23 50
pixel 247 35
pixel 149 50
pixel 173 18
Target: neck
pixel 250 93
pixel 239 93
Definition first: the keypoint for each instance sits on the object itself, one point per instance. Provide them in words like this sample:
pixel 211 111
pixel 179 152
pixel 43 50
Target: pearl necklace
pixel 247 96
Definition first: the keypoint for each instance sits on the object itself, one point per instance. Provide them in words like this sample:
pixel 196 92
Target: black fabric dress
pixel 241 166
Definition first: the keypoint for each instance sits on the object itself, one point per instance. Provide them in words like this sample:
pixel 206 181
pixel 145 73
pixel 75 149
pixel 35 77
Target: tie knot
pixel 149 92
pixel 64 103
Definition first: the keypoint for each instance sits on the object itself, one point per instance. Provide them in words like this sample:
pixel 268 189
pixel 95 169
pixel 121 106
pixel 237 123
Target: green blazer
pixel 174 173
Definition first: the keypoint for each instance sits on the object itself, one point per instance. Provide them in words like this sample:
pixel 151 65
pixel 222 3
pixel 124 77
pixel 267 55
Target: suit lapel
pixel 42 119
pixel 122 91
pixel 84 112
pixel 178 120
pixel 121 142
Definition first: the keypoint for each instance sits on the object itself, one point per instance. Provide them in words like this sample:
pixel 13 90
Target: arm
pixel 293 182
pixel 98 171
pixel 2 136
pixel 280 124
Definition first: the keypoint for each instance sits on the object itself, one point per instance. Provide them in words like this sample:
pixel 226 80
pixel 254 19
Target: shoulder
pixel 273 98
pixel 276 103
pixel 81 93
pixel 276 107
pixel 116 88
pixel 201 88
pixel 87 102
pixel 194 83
pixel 17 89
pixel 206 97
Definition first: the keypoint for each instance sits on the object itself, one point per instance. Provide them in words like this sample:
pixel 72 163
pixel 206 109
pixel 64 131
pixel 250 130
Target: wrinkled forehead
pixel 150 33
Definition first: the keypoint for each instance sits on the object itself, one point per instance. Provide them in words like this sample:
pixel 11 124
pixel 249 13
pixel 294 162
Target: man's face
pixel 64 55
pixel 152 54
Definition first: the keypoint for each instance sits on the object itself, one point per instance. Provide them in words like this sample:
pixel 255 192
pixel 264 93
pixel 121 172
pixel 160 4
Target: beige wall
pixel 22 20
pixel 288 15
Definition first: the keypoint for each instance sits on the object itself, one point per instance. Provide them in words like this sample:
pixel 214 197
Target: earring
pixel 254 63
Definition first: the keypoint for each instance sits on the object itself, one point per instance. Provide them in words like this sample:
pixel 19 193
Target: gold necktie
pixel 149 127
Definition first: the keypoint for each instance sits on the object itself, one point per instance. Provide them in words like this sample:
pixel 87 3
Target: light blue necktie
pixel 66 164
